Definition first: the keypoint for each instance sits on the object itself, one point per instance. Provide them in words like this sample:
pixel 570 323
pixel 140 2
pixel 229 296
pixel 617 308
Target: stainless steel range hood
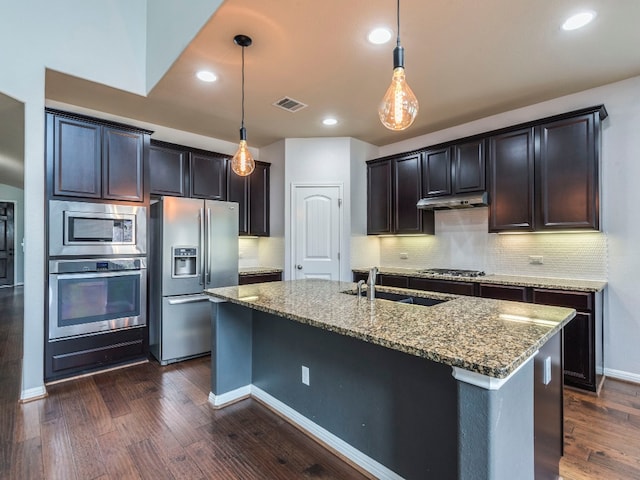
pixel 466 200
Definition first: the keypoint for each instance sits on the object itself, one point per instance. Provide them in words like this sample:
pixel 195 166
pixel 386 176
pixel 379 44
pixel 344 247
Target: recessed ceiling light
pixel 578 20
pixel 379 36
pixel 206 76
pixel 329 121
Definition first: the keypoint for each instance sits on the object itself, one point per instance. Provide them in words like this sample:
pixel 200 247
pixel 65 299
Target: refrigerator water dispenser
pixel 184 261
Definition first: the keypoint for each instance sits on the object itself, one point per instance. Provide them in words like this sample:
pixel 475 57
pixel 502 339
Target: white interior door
pixel 316 231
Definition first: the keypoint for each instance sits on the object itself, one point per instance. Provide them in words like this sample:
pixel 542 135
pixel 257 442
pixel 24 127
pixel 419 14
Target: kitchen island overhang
pixel 397 411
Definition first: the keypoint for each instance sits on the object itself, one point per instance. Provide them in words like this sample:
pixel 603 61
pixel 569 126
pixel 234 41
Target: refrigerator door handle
pixel 208 269
pixel 203 249
pixel 189 299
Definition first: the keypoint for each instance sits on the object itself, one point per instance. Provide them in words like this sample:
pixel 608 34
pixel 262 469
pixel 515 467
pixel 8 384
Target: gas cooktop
pixel 453 272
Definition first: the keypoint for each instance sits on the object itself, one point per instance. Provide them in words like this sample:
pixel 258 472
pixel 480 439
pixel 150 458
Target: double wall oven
pixel 97 268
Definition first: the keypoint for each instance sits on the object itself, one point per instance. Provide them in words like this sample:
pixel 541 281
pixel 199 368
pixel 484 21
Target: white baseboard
pixel 233 396
pixel 343 448
pixel 33 394
pixel 622 375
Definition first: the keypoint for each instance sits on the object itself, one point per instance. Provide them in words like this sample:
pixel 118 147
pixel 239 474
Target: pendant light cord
pixel 398 23
pixel 242 126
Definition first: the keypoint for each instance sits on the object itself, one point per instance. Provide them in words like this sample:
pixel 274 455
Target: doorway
pixel 316 226
pixel 7 241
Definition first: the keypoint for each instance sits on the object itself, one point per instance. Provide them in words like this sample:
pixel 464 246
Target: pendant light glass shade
pixel 399 106
pixel 242 162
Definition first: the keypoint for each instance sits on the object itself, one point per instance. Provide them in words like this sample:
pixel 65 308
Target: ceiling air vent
pixel 289 104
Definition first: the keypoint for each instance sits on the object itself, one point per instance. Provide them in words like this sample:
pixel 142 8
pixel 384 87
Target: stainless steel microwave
pixel 86 228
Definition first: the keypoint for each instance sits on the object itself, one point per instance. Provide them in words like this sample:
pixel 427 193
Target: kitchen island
pixel 402 390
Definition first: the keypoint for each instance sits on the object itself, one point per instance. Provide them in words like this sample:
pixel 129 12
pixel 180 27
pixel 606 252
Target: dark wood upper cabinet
pixel 252 195
pixel 511 179
pixel 168 171
pixel 238 191
pixel 95 159
pixel 379 197
pixel 122 165
pixel 567 174
pixel 468 170
pixel 208 176
pixel 407 190
pixel 436 172
pixel 259 204
pixel 394 186
pixel 76 146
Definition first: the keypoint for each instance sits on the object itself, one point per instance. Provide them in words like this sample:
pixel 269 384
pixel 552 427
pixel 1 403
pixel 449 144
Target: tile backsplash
pixel 462 241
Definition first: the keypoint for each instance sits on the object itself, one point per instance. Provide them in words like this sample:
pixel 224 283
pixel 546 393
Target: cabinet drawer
pixel 97 356
pixel 504 292
pixel 581 301
pixel 443 286
pixel 394 281
pixel 267 277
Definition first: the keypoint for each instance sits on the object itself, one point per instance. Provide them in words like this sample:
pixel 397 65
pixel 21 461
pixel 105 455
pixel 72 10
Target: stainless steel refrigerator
pixel 193 246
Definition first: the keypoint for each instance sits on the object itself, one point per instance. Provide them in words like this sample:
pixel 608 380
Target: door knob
pixel 299 267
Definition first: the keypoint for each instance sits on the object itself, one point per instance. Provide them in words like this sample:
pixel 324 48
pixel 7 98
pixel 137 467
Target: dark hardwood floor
pixel 153 422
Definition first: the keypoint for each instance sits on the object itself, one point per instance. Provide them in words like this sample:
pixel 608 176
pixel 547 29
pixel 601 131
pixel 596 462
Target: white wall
pixel 170 28
pixel 619 187
pixel 104 42
pixel 16 195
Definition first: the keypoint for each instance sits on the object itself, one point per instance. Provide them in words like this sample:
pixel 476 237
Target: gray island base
pixel 466 389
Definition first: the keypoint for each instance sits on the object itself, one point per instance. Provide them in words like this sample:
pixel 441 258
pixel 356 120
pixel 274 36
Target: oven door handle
pixel 96 275
pixel 189 299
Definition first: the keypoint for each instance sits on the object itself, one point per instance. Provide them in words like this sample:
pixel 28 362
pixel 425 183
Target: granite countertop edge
pixel 423 333
pixel 573 284
pixel 259 270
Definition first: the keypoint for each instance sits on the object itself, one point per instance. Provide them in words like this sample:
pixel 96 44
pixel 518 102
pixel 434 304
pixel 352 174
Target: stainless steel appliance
pixel 96 296
pixel 460 200
pixel 193 246
pixel 87 228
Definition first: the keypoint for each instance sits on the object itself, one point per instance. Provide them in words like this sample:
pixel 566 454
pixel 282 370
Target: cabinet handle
pixel 299 267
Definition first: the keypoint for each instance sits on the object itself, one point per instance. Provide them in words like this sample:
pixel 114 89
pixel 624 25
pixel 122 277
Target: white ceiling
pixel 465 60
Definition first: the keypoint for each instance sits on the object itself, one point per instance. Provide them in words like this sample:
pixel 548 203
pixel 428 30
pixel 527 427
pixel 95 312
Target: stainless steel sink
pixel 403 298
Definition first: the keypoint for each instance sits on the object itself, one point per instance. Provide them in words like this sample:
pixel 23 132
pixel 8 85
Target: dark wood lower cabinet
pixel 74 356
pixel 548 426
pixel 399 281
pixel 504 292
pixel 247 279
pixel 443 286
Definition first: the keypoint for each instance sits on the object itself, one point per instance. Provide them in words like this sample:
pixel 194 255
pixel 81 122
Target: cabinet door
pixel 208 176
pixel 511 170
pixel 407 192
pixel 76 157
pixel 379 181
pixel 259 200
pixel 168 171
pixel 122 165
pixel 436 172
pixel 469 167
pixel 579 352
pixel 238 191
pixel 567 175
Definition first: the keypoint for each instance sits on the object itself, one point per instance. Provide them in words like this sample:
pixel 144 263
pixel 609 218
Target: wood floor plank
pixel 57 455
pixel 111 395
pixel 26 461
pixel 149 462
pixel 117 458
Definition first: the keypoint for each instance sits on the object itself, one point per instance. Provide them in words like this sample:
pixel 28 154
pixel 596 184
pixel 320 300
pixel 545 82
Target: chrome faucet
pixel 360 285
pixel 371 283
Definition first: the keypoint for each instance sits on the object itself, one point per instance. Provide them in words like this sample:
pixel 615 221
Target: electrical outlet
pixel 404 255
pixel 546 377
pixel 305 375
pixel 535 259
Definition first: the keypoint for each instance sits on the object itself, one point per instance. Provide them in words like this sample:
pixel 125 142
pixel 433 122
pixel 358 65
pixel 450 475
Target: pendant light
pixel 242 162
pixel 399 105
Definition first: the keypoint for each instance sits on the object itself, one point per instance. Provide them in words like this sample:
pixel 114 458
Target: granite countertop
pixel 496 279
pixel 490 337
pixel 258 270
